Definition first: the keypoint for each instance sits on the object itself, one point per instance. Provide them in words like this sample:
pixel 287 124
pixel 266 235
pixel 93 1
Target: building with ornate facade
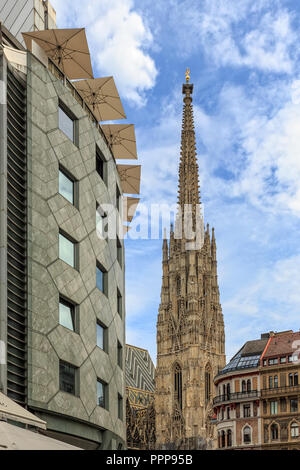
pixel 280 392
pixel 190 327
pixel 237 398
pixel 258 393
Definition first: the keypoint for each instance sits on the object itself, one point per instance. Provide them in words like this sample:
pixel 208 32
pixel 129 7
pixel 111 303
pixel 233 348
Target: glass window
pixel 290 359
pixel 229 438
pixel 66 186
pixel 102 394
pixel 294 430
pixel 294 405
pixel 119 251
pixel 228 412
pixel 274 407
pixel 265 362
pixel 101 278
pixel 296 378
pixel 67 377
pixel 282 360
pixel 120 303
pixel 65 123
pixel 247 435
pixel 101 164
pixel 276 381
pixel 120 355
pixel 120 407
pixel 66 250
pixel 291 380
pixel 101 336
pixel 118 198
pixel 274 431
pixel 247 412
pixel 270 381
pixel 67 314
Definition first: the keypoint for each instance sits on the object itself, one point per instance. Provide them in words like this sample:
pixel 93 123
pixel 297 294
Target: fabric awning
pixel 130 176
pixel 129 207
pixel 68 48
pixel 102 96
pixel 16 438
pixel 121 138
pixel 11 410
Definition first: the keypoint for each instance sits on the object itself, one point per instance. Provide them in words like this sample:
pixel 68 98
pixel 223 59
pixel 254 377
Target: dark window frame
pixel 120 407
pixel 120 354
pixel 75 247
pixel 76 378
pixel 75 182
pixel 105 395
pixel 119 251
pixel 105 336
pixel 73 118
pixel 119 303
pixel 74 312
pixel 101 165
pixel 101 268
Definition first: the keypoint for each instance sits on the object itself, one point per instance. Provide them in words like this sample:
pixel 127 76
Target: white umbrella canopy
pixel 130 176
pixel 68 48
pixel 16 438
pixel 121 138
pixel 102 96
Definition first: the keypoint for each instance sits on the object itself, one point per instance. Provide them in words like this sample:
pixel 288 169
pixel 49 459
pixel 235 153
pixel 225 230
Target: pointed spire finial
pixel 187 75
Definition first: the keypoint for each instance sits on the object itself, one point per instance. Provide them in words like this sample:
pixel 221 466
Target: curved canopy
pixel 102 96
pixel 121 138
pixel 129 207
pixel 68 48
pixel 130 176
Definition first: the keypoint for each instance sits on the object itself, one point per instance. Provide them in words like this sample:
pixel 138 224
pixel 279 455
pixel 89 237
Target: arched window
pixel 294 430
pixel 247 435
pixel 207 383
pixel 178 385
pixel 274 431
pixel 248 385
pixel 243 386
pixel 229 438
pixel 178 286
pixel 275 381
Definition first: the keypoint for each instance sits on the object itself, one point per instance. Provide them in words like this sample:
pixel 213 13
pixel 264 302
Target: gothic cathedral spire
pixel 190 327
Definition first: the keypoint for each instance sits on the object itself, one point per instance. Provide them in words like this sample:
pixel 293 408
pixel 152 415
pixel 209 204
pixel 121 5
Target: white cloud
pixel 119 41
pixel 255 34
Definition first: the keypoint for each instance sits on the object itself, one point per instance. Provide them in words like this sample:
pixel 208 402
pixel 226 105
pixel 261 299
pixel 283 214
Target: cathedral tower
pixel 190 327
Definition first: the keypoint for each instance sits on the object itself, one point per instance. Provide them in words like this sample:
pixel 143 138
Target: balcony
pixel 235 396
pixel 275 391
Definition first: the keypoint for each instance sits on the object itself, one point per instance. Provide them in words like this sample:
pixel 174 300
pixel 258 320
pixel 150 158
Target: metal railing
pixel 280 390
pixel 235 396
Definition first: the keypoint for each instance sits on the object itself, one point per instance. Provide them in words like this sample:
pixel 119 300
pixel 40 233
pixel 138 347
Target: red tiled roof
pixel 282 343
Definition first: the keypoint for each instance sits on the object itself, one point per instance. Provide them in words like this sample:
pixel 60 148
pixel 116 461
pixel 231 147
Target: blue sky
pixel 244 62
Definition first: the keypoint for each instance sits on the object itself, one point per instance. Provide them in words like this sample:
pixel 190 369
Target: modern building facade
pixel 62 315
pixel 237 398
pixel 190 327
pixel 140 386
pixel 280 392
